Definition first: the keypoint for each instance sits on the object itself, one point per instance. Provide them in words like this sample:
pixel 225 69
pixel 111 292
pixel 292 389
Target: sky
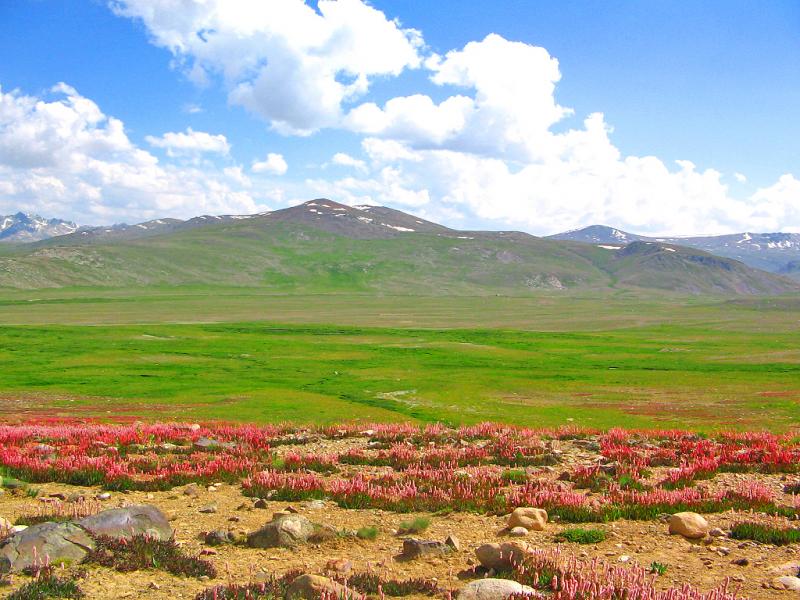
pixel 656 117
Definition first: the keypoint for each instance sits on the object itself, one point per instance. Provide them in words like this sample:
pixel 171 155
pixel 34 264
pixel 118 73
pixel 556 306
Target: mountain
pixel 322 246
pixel 773 252
pixel 23 227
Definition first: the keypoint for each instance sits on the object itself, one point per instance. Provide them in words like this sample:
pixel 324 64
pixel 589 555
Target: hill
pixel 322 246
pixel 773 252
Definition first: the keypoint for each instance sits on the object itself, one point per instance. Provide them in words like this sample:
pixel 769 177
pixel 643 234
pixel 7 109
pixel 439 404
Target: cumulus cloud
pixel 190 142
pixel 345 160
pixel 62 156
pixel 284 61
pixel 274 164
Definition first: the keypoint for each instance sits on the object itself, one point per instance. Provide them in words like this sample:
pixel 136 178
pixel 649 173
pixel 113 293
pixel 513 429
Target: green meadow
pixel 546 360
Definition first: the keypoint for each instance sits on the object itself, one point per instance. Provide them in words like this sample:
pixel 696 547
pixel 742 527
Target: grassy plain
pixel 542 360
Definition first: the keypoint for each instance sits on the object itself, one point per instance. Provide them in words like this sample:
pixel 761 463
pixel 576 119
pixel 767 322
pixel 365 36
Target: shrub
pixel 417 525
pixel 144 552
pixel 579 535
pixel 47 585
pixel 367 533
pixel 658 568
pixel 765 534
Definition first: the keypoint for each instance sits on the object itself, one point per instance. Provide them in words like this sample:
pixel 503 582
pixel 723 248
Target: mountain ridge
pixel 776 252
pixel 323 246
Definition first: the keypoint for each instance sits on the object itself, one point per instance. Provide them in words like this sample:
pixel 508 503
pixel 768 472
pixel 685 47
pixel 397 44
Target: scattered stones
pixel 414 548
pixel 688 524
pixel 62 543
pixel 493 589
pixel 532 519
pixel 141 519
pixel 500 556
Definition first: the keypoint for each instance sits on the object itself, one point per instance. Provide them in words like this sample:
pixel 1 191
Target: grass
pixel 765 534
pixel 540 360
pixel 417 525
pixel 142 552
pixel 578 535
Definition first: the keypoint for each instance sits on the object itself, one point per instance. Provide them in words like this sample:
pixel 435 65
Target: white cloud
pixel 274 164
pixel 740 177
pixel 345 160
pixel 190 142
pixel 64 157
pixel 284 61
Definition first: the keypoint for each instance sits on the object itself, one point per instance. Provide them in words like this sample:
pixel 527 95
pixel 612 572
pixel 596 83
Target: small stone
pixel 717 532
pixel 740 562
pixel 208 508
pixel 191 490
pixel 340 566
pixel 413 548
pixel 624 558
pixel 518 532
pixel 493 589
pixel 291 510
pixel 261 503
pixel 453 542
pixel 104 496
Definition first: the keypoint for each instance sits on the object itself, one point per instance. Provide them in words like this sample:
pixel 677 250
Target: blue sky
pixel 714 83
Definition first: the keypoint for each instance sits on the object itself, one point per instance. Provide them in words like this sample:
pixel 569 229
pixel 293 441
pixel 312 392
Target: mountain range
pixel 23 227
pixel 773 252
pixel 323 246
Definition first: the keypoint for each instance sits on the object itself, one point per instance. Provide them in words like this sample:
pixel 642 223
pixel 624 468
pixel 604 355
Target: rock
pixel 194 427
pixel 314 504
pixel 208 509
pixel 218 537
pixel 63 543
pixel 518 532
pixel 717 532
pixel 104 496
pixel 688 524
pixel 260 503
pixel 291 509
pixel 501 556
pixel 453 542
pixel 137 519
pixel 532 519
pixel 314 587
pixel 204 443
pixel 192 490
pixel 286 531
pixel 740 562
pixel 414 548
pixel 341 566
pixel 787 582
pixel 493 589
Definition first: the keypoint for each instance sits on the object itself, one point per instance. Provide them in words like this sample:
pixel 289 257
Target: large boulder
pixel 688 524
pixel 139 519
pixel 286 531
pixel 532 519
pixel 314 587
pixel 787 582
pixel 59 543
pixel 493 589
pixel 501 557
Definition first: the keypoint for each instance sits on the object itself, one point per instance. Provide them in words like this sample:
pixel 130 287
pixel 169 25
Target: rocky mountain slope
pixel 23 227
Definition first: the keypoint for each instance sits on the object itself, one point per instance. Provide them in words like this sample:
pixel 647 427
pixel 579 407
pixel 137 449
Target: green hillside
pixel 323 248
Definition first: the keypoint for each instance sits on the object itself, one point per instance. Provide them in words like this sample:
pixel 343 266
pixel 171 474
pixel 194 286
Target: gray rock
pixel 127 522
pixel 208 509
pixel 787 582
pixel 287 531
pixel 62 543
pixel 493 589
pixel 413 548
pixel 218 537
